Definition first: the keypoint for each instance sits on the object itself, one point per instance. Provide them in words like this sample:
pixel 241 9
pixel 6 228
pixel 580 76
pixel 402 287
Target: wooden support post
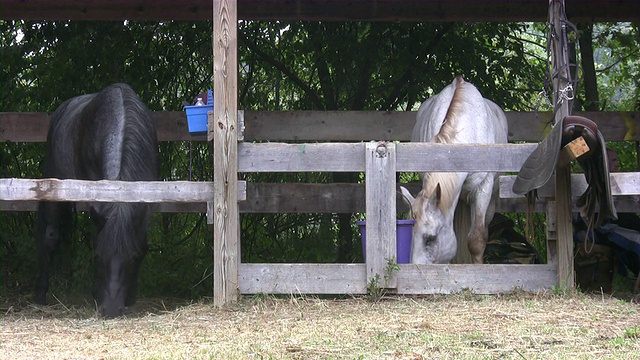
pixel 566 278
pixel 564 228
pixel 380 181
pixel 552 233
pixel 225 152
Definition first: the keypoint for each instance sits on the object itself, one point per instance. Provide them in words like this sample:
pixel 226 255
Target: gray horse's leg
pixel 480 204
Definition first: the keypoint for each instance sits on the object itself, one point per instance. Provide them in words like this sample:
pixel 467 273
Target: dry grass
pixel 463 326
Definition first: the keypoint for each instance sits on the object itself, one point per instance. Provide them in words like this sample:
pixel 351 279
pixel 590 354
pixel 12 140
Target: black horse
pixel 108 135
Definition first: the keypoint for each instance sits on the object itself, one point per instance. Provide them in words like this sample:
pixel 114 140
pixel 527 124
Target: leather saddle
pixel 541 163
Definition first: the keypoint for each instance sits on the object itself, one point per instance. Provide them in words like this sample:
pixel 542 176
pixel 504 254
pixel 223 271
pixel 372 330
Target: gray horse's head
pixel 433 239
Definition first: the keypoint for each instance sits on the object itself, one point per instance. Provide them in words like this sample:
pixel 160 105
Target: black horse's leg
pixel 52 218
pixel 132 289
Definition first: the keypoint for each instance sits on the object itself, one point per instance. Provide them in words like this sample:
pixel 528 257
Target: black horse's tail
pixel 127 223
pixel 126 227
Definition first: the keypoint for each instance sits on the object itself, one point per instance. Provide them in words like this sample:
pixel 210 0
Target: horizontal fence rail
pixel 109 190
pixel 411 157
pixel 329 125
pixel 342 197
pixel 411 278
pixel 269 198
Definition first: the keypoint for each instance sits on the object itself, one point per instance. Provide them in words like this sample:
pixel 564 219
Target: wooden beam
pixel 281 157
pixel 338 198
pixel 226 235
pixel 293 279
pixel 329 125
pixel 107 190
pixel 479 279
pixel 420 157
pixel 317 10
pixel 622 184
pixel 412 279
pixel 411 157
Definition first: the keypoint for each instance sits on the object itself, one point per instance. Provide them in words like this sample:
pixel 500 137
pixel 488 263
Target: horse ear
pixel 435 196
pixel 406 195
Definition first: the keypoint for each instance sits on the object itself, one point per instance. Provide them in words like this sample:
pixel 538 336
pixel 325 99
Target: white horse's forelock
pixel 447 182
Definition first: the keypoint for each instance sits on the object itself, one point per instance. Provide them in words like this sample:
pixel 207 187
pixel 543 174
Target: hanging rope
pixel 561 59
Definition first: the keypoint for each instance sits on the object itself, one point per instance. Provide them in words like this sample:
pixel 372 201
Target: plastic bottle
pixel 199 102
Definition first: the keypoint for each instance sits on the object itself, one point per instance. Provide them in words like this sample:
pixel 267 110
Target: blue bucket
pixel 404 232
pixel 197 116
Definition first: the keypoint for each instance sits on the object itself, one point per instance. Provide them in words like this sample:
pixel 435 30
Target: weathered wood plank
pixel 380 182
pixel 328 125
pixel 226 235
pixel 412 279
pixel 398 125
pixel 24 126
pixel 411 157
pixel 304 198
pixel 419 157
pixel 33 126
pixel 344 198
pixel 622 184
pixel 552 234
pixel 280 157
pixel 564 228
pixel 324 157
pixel 317 10
pixel 12 189
pixel 302 278
pixel 479 279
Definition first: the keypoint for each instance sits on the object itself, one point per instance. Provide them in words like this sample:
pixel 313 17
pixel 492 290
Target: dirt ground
pixel 463 326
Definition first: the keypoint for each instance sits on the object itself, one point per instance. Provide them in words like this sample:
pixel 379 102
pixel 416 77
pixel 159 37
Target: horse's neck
pixel 450 186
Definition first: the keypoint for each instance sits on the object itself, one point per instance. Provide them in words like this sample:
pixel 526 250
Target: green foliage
pixel 617 61
pixel 321 65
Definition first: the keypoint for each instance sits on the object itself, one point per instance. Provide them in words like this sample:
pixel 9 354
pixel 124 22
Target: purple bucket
pixel 404 231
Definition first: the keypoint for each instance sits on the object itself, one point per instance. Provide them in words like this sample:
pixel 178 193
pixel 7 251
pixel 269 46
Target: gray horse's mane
pixel 448 131
pixel 446 135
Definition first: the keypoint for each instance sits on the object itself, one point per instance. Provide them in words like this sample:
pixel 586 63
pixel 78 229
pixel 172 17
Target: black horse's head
pixel 116 284
pixel 120 246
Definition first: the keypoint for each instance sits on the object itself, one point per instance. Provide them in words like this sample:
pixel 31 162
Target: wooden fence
pixel 382 151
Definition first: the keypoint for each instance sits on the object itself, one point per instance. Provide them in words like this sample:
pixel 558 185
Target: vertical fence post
pixel 225 152
pixel 560 63
pixel 380 181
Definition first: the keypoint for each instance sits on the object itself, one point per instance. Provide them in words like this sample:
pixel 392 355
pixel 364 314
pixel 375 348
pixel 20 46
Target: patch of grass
pixel 377 290
pixel 632 333
pixel 460 326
